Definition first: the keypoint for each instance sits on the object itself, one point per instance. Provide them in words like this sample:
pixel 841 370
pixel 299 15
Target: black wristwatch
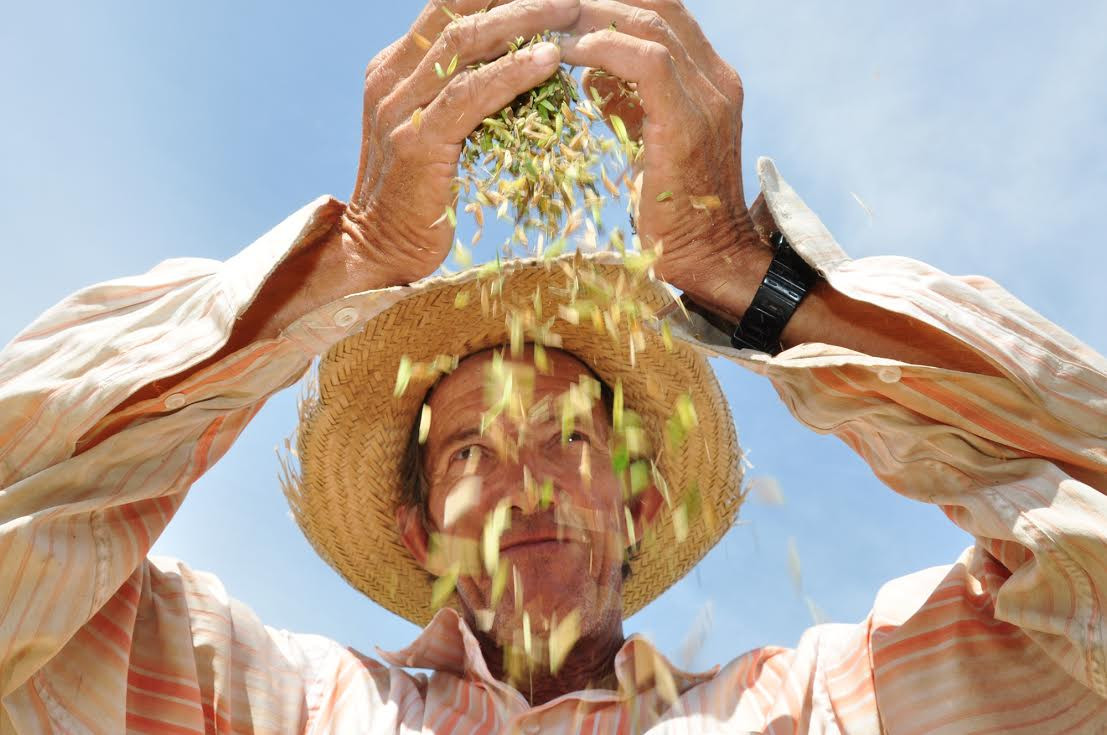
pixel 787 282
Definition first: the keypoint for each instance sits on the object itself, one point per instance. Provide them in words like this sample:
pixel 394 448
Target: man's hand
pixel 416 121
pixel 690 117
pixel 408 162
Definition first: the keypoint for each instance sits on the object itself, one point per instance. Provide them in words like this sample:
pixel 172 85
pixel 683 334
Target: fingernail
pixel 544 53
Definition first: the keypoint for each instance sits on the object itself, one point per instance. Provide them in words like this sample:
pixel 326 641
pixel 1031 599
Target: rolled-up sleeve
pixel 78 516
pixel 1018 461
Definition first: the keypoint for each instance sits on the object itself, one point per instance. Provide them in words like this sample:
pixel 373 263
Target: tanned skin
pixel 561 568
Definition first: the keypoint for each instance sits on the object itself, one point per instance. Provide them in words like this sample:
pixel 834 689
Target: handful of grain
pixel 539 164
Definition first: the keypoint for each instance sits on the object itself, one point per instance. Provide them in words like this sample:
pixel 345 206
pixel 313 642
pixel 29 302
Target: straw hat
pixel 353 431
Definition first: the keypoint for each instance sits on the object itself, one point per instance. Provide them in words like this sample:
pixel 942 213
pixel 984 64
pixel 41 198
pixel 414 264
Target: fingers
pixel 646 63
pixel 401 57
pixel 691 35
pixel 440 13
pixel 666 22
pixel 599 15
pixel 451 18
pixel 476 94
pixel 433 20
pixel 646 24
pixel 479 38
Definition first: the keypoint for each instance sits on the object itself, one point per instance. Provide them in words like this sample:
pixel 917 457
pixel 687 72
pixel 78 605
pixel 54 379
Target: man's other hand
pixel 685 102
pixel 416 119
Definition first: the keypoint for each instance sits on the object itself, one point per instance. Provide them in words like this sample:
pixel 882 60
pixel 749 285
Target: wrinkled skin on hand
pixel 686 105
pixel 416 121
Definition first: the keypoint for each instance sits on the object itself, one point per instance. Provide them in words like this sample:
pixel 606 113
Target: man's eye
pixel 466 453
pixel 576 436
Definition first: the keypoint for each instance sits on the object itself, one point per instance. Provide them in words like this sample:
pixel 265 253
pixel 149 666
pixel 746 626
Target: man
pixel 118 399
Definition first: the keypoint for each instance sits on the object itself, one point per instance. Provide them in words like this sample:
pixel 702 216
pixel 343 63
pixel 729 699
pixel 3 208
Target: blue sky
pixel 972 132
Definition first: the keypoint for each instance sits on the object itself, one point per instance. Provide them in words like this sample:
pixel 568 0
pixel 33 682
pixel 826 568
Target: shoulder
pixel 240 659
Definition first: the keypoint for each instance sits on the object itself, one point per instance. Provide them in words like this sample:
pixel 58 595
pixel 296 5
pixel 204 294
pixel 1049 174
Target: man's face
pixel 566 536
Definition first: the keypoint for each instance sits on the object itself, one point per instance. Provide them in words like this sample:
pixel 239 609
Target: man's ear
pixel 409 522
pixel 646 507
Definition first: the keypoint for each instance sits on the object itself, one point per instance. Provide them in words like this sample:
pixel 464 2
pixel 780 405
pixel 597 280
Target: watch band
pixel 787 282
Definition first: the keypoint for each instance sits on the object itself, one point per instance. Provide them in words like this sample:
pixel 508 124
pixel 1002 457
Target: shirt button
pixel 531 728
pixel 345 317
pixel 175 401
pixel 889 374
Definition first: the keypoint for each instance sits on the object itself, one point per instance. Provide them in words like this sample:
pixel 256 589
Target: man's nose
pixel 525 489
pixel 521 494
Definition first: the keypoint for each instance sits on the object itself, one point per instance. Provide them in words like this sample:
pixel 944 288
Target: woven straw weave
pixel 353 433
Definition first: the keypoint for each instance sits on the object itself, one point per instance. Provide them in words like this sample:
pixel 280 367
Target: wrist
pixel 725 281
pixel 360 243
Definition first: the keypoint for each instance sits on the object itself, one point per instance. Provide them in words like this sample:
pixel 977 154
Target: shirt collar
pixel 640 667
pixel 447 644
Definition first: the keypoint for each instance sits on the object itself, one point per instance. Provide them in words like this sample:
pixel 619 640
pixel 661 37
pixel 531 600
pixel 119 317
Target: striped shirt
pixel 97 638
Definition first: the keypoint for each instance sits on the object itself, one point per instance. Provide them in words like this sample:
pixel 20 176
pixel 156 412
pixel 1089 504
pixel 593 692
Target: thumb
pixel 618 98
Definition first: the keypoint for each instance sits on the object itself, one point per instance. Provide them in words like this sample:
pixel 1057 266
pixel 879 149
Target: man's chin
pixel 542 608
pixel 548 597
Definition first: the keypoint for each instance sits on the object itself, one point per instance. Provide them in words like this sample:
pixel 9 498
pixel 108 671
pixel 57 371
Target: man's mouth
pixel 533 542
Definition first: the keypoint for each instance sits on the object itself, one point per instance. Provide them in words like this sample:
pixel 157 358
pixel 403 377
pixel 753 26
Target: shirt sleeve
pixel 1018 461
pixel 77 520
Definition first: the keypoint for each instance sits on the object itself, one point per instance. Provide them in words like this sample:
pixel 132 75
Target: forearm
pixel 726 288
pixel 329 266
pixel 87 488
